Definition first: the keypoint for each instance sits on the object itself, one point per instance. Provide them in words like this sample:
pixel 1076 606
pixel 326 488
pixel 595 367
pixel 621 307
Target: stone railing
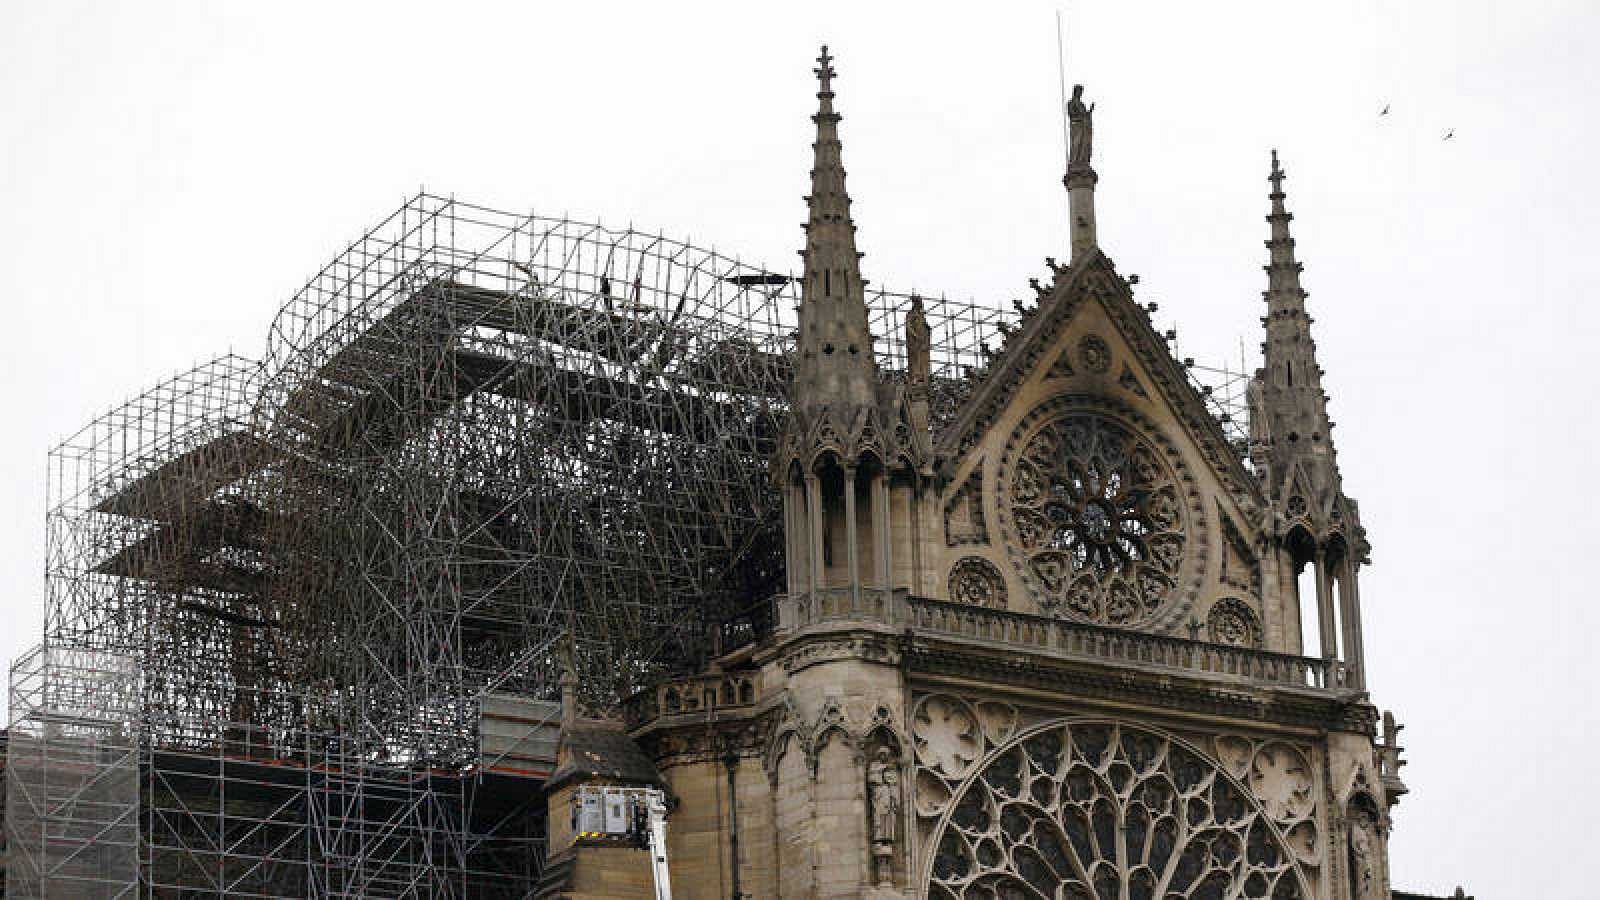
pixel 832 604
pixel 1055 637
pixel 697 694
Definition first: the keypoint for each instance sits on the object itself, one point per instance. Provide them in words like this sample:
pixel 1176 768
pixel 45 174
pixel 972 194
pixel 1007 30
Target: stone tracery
pixel 1097 809
pixel 1097 514
pixel 1232 621
pixel 975 580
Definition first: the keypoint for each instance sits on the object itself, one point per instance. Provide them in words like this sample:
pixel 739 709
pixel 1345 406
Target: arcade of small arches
pixel 840 515
pixel 1325 575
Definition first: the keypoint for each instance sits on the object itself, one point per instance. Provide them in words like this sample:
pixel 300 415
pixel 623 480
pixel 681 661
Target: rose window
pixel 1088 811
pixel 975 580
pixel 1097 514
pixel 1232 621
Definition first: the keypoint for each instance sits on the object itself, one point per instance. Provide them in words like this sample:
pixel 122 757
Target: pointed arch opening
pixel 1335 555
pixel 1302 551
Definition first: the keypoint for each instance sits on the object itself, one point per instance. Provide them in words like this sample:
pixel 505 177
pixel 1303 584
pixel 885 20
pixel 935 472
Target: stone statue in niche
pixel 1366 882
pixel 883 787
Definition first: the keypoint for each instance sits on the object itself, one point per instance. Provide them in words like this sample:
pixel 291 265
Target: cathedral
pixel 1050 647
pixel 539 559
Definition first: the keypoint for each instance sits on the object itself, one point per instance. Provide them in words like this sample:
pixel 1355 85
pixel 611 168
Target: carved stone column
pixel 814 517
pixel 794 538
pixel 1272 612
pixel 1350 613
pixel 851 538
pixel 1325 617
pixel 882 553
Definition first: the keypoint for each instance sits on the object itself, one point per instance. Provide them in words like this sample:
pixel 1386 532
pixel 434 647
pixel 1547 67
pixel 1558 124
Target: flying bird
pixel 1449 134
pixel 1385 110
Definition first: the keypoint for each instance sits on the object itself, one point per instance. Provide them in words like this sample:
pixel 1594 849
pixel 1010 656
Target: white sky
pixel 174 171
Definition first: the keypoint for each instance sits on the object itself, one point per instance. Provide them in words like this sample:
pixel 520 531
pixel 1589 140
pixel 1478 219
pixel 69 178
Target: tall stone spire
pixel 1291 400
pixel 1292 448
pixel 834 365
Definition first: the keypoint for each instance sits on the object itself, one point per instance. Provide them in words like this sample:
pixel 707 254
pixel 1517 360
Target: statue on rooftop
pixel 1082 118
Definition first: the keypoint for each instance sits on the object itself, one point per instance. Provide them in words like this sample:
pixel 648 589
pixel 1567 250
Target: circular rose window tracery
pixel 1097 516
pixel 1232 621
pixel 1094 810
pixel 975 581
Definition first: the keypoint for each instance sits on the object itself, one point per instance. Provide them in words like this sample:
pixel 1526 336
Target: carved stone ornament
pixel 1367 881
pixel 883 791
pixel 1062 367
pixel 963 513
pixel 1281 779
pixel 1098 517
pixel 1096 809
pixel 1296 507
pixel 1130 382
pixel 1232 621
pixel 1095 354
pixel 976 581
pixel 854 721
pixel 948 734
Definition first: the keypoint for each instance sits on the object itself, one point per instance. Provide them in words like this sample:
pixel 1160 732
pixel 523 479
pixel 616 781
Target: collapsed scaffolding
pixel 336 588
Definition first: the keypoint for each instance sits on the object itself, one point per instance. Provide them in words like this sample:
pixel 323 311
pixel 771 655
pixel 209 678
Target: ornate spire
pixel 1290 383
pixel 1283 272
pixel 835 364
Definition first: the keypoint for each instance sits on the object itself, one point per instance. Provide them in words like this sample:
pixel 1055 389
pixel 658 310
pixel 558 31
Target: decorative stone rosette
pixel 1232 621
pixel 974 580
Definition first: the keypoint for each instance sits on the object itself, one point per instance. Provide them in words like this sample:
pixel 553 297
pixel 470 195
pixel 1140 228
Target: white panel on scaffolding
pixel 619 820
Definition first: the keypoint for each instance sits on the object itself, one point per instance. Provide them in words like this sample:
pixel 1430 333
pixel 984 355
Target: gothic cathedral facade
pixel 1048 647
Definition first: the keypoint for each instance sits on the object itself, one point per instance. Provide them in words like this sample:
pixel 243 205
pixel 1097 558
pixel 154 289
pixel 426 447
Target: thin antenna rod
pixel 1061 75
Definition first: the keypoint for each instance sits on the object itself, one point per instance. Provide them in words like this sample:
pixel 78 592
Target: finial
pixel 1276 177
pixel 824 68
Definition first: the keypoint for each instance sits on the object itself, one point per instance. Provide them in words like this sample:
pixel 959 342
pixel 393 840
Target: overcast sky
pixel 173 172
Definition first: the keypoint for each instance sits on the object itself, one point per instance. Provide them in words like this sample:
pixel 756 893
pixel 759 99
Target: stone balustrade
pixel 697 694
pixel 1054 636
pixel 830 604
pixel 1060 637
pixel 1046 636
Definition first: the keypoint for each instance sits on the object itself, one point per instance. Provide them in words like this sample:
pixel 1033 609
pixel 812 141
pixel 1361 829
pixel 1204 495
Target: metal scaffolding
pixel 305 614
pixel 478 442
